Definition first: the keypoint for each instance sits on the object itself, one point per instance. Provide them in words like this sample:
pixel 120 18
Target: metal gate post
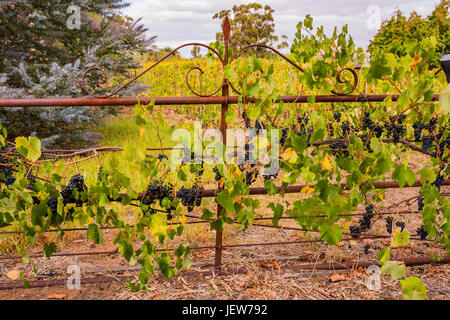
pixel 223 131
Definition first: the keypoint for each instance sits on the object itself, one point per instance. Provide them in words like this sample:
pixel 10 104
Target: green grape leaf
pixel 225 200
pixel 413 289
pixel 400 238
pixel 94 233
pixel 49 248
pixel 331 234
pixel 384 254
pixel 396 269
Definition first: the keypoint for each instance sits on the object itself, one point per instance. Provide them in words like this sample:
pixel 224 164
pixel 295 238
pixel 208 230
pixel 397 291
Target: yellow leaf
pixel 13 274
pixel 380 195
pixel 141 132
pixel 416 60
pixel 183 219
pixel 307 190
pixel 289 155
pixel 326 164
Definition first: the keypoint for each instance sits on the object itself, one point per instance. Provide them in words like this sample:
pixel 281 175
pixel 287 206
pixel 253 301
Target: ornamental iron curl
pixel 343 80
pixel 224 61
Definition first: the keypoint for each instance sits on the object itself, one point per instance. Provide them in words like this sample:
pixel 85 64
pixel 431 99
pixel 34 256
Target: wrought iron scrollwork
pixel 116 91
pixel 224 61
pixel 343 80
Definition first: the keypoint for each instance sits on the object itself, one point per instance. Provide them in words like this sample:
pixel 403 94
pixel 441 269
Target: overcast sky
pixel 179 21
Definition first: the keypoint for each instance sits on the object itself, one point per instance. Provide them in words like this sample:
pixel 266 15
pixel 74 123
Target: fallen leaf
pixel 338 277
pixel 13 274
pixel 56 296
pixel 276 265
pixel 433 271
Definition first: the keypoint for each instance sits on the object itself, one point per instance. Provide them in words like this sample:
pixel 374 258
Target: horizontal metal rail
pixel 127 101
pixel 298 188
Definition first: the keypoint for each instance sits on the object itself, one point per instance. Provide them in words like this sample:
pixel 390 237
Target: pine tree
pixel 43 55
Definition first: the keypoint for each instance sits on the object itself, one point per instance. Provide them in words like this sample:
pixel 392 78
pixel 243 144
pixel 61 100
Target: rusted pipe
pixel 354 264
pixel 127 101
pixel 298 188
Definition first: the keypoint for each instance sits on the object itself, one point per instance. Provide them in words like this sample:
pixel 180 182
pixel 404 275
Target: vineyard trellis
pixel 225 100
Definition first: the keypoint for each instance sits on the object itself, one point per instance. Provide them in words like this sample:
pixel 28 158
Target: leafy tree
pixel 157 54
pixel 396 32
pixel 195 52
pixel 250 23
pixel 42 56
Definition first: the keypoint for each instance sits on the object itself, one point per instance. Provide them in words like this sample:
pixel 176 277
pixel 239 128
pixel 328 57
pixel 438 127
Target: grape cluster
pixel 431 125
pixel 366 222
pixel 367 123
pixel 270 173
pixel 303 126
pixel 259 125
pixel 366 249
pixel 427 142
pixel 420 203
pixel 191 197
pixel 401 225
pixel 248 147
pixel 437 182
pixel 422 233
pixel 355 231
pixel 284 135
pixel 395 127
pixel 378 130
pixel 157 190
pixel 53 205
pixel 31 185
pixel 76 185
pixel 389 221
pixel 345 127
pixel 337 116
pixel 246 119
pixel 6 172
pixel 218 176
pixel 99 173
pixel 398 131
pixel 161 157
pixel 418 127
pixel 339 148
